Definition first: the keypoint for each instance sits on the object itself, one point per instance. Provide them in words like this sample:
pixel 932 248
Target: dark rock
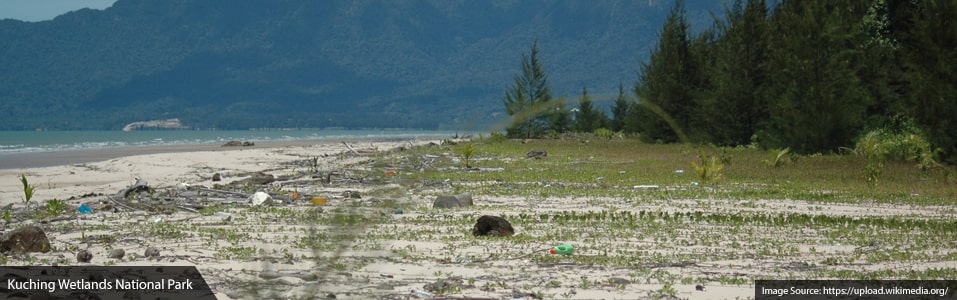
pixel 537 154
pixel 238 144
pixel 117 253
pixel 453 201
pixel 352 195
pixel 258 178
pixel 151 252
pixel 141 185
pixel 618 281
pixel 492 225
pixel 84 256
pixel 25 239
pixel 217 177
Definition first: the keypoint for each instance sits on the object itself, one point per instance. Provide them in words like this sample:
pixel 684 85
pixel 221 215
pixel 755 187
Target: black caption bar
pixel 854 289
pixel 106 282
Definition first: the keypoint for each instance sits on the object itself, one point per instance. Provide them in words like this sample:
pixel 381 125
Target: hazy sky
pixel 42 10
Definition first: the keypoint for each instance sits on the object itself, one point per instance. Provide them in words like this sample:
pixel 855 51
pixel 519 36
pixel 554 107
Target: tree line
pixel 812 76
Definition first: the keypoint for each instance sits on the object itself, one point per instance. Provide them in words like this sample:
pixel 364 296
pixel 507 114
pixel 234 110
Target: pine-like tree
pixel 587 118
pixel 528 101
pixel 931 71
pixel 816 99
pixel 667 83
pixel 620 109
pixel 733 108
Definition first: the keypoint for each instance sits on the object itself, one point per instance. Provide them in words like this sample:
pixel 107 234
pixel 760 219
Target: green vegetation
pixel 779 158
pixel 573 167
pixel 468 151
pixel 529 101
pixel 27 189
pixel 633 213
pixel 800 77
pixel 708 167
pixel 55 207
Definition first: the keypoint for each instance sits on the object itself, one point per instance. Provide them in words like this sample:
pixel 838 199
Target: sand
pixel 242 249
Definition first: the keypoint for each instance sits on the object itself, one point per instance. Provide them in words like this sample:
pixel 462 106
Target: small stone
pixel 151 252
pixel 618 281
pixel 234 294
pixel 453 201
pixel 84 256
pixel 260 198
pixel 117 253
pixel 351 195
pixel 217 177
pixel 269 274
pixel 537 154
pixel 287 280
pixel 699 287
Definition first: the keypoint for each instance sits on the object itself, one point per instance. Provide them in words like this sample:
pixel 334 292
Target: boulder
pixel 537 154
pixel 453 201
pixel 492 226
pixel 25 239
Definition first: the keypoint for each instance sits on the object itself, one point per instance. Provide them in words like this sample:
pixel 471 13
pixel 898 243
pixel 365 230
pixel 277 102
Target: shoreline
pixel 65 174
pixel 30 160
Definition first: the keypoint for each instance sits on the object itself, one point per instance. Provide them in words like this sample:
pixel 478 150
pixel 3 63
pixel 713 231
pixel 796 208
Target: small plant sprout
pixel 467 152
pixel 55 207
pixel 780 157
pixel 27 189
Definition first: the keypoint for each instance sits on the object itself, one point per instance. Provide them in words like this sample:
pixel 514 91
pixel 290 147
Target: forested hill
pixel 299 63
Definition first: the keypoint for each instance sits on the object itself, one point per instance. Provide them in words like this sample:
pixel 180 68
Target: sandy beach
pixel 375 234
pixel 60 175
pixel 85 176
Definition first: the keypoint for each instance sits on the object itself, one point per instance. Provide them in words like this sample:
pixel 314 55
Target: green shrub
pixel 903 142
pixel 496 136
pixel 604 133
pixel 55 207
pixel 708 167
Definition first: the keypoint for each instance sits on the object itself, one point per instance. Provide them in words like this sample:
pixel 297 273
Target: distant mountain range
pixel 434 64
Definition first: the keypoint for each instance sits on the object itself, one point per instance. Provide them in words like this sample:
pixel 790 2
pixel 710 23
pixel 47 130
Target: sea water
pixel 13 142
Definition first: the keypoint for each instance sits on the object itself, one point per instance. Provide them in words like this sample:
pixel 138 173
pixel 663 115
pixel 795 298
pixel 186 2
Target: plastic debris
pixel 421 293
pixel 85 209
pixel 563 249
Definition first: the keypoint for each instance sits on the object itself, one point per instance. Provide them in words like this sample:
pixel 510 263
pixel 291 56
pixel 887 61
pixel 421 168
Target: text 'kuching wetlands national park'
pixel 82 284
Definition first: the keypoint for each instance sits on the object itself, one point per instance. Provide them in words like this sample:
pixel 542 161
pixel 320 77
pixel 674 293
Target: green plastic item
pixel 564 249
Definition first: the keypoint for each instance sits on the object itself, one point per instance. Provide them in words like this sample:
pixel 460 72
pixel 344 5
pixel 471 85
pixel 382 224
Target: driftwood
pixel 353 150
